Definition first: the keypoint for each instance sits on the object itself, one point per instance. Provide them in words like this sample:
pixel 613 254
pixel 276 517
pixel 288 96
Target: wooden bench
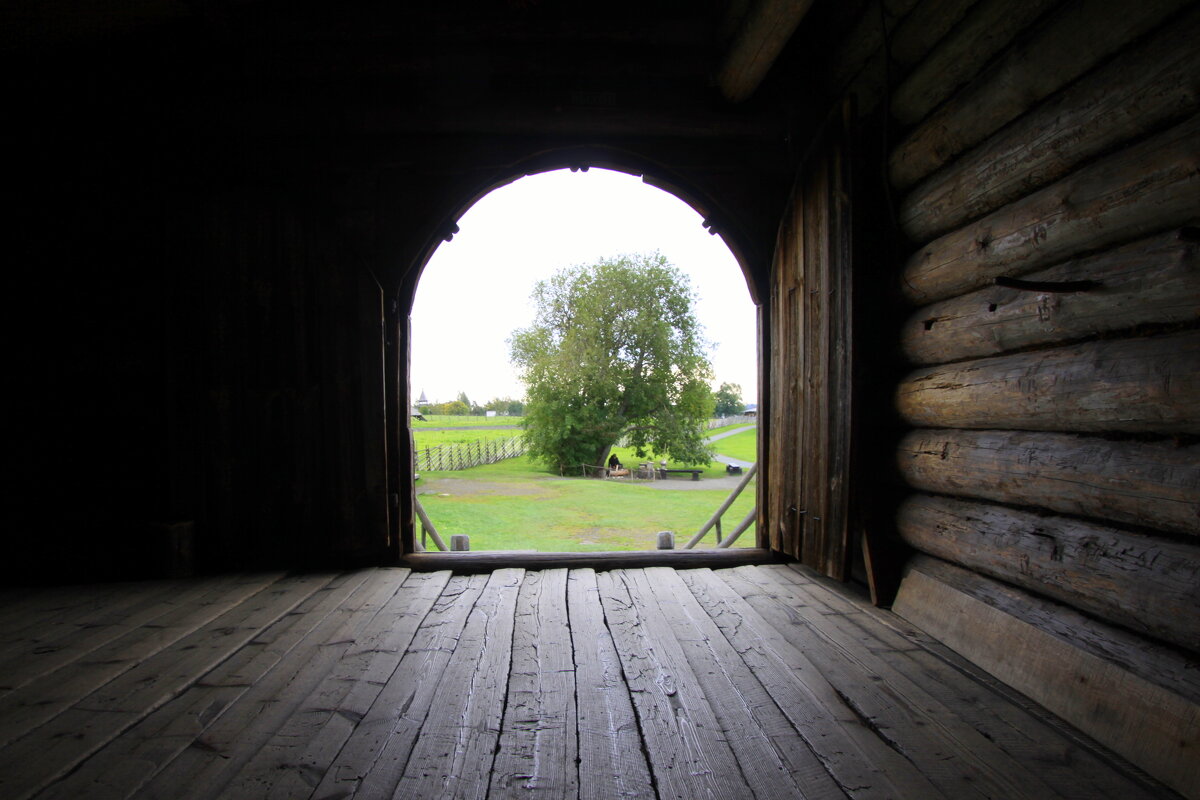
pixel 662 473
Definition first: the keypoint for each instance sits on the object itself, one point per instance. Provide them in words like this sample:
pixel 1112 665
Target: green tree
pixel 729 400
pixel 614 352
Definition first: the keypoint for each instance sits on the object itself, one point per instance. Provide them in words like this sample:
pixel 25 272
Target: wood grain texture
pixel 811 402
pixel 1149 385
pixel 146 684
pixel 125 764
pixel 1141 582
pixel 538 751
pixel 1004 631
pixel 375 755
pixel 480 562
pixel 908 41
pixel 1146 89
pixel 208 767
pixel 765 31
pixel 688 753
pixel 988 27
pixel 762 739
pixel 1151 281
pixel 293 761
pixel 610 748
pixel 1151 186
pixel 903 716
pixel 1078 37
pixel 1147 484
pixel 454 754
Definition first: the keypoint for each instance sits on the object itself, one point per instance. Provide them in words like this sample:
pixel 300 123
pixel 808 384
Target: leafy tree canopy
pixel 729 400
pixel 614 351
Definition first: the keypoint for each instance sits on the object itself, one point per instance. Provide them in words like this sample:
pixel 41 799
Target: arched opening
pixel 474 292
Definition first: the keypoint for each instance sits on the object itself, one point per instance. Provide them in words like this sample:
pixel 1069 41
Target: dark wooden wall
pixel 214 257
pixel 1042 161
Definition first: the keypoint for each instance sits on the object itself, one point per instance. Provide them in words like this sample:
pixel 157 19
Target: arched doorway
pixel 473 292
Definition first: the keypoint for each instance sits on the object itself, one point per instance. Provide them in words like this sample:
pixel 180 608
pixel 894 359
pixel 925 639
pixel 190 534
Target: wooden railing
pixel 715 520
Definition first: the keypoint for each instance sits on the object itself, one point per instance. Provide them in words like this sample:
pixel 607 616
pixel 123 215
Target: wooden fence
pixel 467 455
pixel 720 422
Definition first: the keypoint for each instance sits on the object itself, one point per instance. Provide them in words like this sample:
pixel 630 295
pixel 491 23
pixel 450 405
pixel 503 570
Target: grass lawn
pixel 428 438
pixel 742 446
pixel 517 505
pixel 724 428
pixel 451 421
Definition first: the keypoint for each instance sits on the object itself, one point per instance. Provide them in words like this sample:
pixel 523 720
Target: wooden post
pixel 666 540
pixel 750 473
pixel 746 522
pixel 460 542
pixel 433 534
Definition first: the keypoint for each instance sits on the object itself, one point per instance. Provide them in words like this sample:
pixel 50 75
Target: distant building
pixel 415 413
pixel 751 410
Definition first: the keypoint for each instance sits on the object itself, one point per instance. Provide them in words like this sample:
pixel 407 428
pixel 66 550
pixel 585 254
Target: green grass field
pixel 449 421
pixel 743 446
pixel 434 438
pixel 518 505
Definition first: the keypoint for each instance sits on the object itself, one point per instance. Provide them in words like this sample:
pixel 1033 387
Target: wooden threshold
pixel 609 559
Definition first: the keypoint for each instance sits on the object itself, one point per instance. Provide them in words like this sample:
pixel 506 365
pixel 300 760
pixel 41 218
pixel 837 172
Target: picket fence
pixel 470 454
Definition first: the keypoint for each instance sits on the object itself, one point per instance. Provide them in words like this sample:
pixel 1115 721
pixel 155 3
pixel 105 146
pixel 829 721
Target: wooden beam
pixel 1143 583
pixel 1149 385
pixel 485 561
pixel 1145 89
pixel 764 33
pixel 1139 699
pixel 1078 38
pixel 1151 281
pixel 1148 484
pixel 1149 187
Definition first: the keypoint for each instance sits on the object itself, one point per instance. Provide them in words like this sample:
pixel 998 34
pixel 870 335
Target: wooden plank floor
pixel 734 683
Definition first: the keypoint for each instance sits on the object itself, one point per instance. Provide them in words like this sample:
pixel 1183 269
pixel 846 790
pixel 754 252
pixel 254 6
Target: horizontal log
pixel 1148 385
pixel 764 32
pixel 1143 583
pixel 1066 46
pixel 1151 484
pixel 913 37
pixel 1152 281
pixel 1145 89
pixel 1137 698
pixel 863 41
pixel 486 561
pixel 987 29
pixel 1150 187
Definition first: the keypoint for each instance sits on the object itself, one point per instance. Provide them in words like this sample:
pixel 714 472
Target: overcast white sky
pixel 475 290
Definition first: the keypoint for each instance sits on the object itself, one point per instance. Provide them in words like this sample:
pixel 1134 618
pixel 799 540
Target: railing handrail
pixel 720 511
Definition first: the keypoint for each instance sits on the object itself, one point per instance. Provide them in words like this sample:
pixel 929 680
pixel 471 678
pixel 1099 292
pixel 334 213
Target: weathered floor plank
pixel 128 762
pixel 916 724
pixel 653 682
pixel 538 749
pixel 373 759
pixel 196 604
pixel 611 761
pixel 205 768
pixel 454 753
pixel 687 749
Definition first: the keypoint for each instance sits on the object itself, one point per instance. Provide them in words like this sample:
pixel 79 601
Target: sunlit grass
pixel 517 505
pixel 453 421
pixel 742 446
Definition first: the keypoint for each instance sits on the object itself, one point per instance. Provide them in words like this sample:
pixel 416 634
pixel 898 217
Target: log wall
pixel 1044 168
